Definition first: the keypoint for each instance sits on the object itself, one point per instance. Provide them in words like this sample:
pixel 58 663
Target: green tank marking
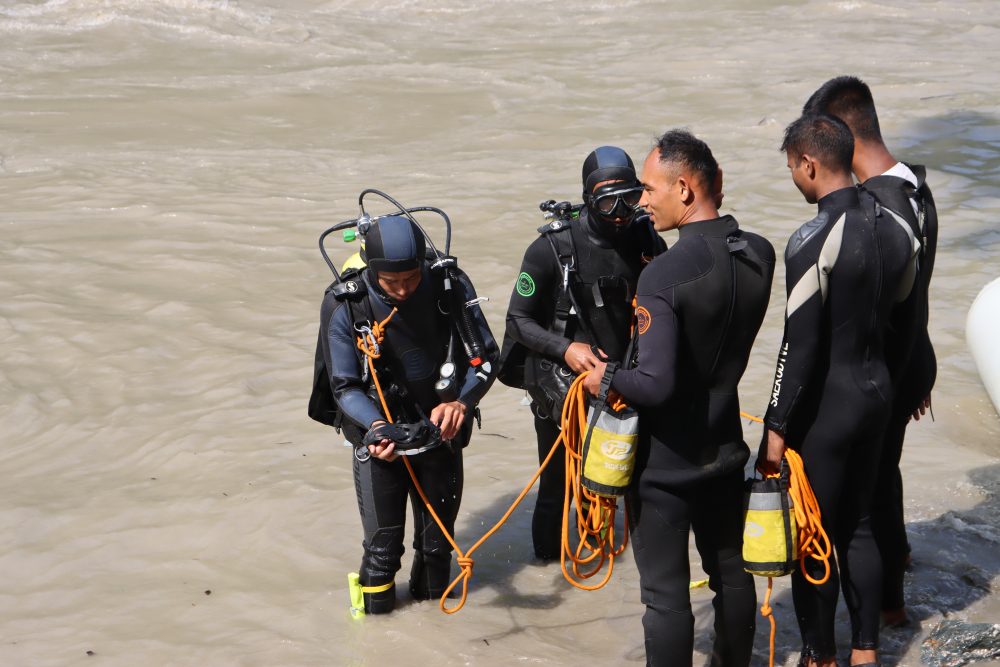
pixel 525 284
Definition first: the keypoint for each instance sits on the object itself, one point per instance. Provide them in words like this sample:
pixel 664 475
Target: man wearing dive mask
pixel 571 307
pixel 430 429
pixel 615 204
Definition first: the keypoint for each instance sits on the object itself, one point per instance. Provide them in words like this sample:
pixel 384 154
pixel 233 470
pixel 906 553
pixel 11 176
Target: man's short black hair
pixel 825 138
pixel 849 99
pixel 682 147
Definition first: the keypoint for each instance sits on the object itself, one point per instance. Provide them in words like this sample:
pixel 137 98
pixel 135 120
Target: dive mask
pixel 614 201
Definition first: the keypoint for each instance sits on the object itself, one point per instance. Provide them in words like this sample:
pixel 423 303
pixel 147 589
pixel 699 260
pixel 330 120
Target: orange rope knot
pixel 370 340
pixel 767 612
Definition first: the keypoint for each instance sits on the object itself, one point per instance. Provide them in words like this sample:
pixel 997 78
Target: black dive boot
pixel 430 575
pixel 382 600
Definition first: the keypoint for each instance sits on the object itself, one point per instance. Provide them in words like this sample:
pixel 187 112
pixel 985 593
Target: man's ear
pixel 684 190
pixel 809 166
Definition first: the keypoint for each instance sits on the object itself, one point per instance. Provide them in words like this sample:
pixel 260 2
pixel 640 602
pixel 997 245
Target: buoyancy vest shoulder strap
pixel 560 239
pixel 347 292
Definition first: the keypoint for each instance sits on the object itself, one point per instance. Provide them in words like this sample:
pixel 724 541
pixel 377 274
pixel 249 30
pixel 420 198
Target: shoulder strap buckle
pixel 350 286
pixel 556 225
pixel 735 243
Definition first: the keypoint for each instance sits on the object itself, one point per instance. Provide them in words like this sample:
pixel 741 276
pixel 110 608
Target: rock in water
pixel 957 643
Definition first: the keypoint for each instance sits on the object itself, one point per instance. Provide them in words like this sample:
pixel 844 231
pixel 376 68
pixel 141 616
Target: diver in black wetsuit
pixel 415 346
pixel 571 303
pixel 901 189
pixel 845 271
pixel 700 306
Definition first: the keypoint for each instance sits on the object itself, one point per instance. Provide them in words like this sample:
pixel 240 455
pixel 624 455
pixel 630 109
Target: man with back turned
pixel 846 270
pixel 700 305
pixel 901 189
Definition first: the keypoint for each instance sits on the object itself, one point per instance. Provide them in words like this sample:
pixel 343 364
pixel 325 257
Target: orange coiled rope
pixel 595 525
pixel 596 529
pixel 370 344
pixel 813 541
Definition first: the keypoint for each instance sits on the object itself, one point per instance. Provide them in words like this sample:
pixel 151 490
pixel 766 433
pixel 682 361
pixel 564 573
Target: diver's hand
pixel 579 357
pixel 922 408
pixel 384 449
pixel 773 452
pixel 449 417
pixel 592 383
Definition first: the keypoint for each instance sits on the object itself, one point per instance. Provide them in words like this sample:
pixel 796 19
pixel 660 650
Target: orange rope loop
pixel 813 540
pixel 369 342
pixel 595 513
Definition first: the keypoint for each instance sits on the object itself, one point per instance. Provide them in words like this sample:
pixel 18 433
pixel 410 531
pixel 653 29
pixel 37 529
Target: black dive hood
pixel 608 163
pixel 393 244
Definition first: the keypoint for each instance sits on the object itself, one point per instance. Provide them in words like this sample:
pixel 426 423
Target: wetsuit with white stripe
pixel 845 271
pixel 903 192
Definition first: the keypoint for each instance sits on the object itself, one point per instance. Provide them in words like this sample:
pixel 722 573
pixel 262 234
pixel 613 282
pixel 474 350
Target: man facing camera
pixel 700 306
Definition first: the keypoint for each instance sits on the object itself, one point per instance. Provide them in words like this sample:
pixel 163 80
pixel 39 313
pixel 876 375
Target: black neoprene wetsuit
pixel 700 306
pixel 532 311
pixel 913 372
pixel 613 263
pixel 845 271
pixel 414 348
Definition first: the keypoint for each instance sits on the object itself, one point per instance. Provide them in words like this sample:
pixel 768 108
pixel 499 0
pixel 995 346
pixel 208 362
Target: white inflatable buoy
pixel 982 333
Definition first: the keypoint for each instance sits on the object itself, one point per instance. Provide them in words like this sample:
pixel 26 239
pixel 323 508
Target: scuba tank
pixel 355 261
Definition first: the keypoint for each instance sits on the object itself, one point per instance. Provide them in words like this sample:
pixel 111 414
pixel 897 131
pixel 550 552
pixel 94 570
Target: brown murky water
pixel 165 169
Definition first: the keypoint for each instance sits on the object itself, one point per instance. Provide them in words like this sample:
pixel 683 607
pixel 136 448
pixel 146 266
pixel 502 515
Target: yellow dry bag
pixel 609 446
pixel 770 536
